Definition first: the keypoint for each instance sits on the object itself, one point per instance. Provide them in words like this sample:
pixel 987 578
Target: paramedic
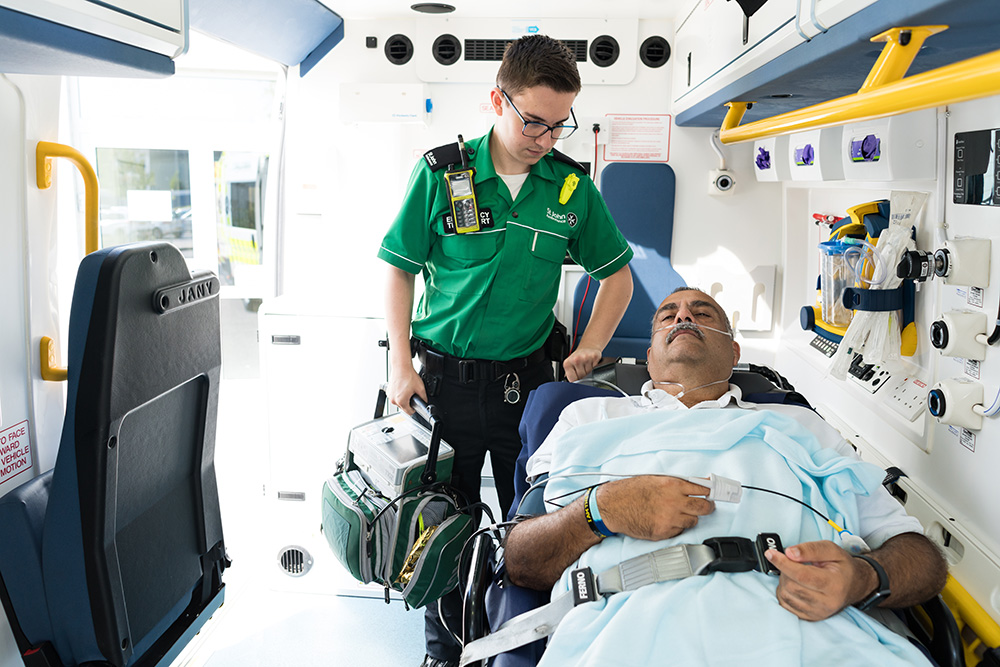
pixel 484 319
pixel 690 359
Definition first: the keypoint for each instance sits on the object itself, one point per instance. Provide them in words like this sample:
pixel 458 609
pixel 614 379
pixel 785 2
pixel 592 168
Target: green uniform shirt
pixel 489 294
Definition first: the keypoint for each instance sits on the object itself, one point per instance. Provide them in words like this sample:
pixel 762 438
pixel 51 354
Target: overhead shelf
pixel 828 65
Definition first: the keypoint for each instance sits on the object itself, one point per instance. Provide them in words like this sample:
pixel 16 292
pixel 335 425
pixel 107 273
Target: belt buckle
pixel 732 554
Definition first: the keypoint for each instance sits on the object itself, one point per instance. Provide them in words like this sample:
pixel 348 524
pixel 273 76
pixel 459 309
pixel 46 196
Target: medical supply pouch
pixel 388 515
pixel 356 527
pixel 411 545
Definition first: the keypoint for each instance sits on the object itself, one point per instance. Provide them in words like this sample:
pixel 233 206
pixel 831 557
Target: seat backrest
pixel 640 197
pixel 132 535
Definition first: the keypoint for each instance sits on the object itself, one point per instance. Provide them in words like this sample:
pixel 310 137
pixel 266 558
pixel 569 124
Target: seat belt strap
pixel 667 564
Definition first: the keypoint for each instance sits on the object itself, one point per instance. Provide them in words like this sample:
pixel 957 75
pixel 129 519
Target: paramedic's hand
pixel 819 579
pixel 579 364
pixel 652 507
pixel 403 385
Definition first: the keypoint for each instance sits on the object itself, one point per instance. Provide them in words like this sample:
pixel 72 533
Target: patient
pixel 690 421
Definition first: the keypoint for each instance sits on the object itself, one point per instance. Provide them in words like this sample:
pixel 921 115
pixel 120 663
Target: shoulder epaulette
pixel 565 159
pixel 442 156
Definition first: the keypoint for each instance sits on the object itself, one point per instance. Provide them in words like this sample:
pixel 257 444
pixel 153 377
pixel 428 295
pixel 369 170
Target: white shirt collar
pixel 658 398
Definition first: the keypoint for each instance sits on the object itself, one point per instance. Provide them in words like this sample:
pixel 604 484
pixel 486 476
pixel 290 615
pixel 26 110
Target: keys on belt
pixel 472 370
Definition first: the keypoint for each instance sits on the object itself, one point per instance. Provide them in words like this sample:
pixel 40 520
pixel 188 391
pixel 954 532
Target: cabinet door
pixel 709 38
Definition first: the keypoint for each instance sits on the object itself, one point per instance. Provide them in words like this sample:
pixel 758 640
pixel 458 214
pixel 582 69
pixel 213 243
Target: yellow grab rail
pixel 44 152
pixel 884 92
pixel 968 612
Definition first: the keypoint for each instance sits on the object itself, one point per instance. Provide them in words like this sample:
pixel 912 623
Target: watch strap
pixel 882 591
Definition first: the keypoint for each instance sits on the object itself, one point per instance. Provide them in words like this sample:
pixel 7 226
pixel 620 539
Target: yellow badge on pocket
pixel 569 185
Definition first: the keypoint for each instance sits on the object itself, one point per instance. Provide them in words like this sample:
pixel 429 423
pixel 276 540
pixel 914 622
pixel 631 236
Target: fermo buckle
pixel 739 554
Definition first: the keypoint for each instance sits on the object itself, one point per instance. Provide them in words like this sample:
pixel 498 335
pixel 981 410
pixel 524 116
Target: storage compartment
pixel 815 155
pixel 771 159
pixel 891 149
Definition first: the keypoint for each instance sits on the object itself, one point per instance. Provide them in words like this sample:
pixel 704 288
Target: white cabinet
pixel 159 26
pixel 715 45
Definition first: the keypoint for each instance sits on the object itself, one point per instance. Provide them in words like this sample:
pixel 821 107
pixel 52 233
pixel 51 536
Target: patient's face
pixel 690 338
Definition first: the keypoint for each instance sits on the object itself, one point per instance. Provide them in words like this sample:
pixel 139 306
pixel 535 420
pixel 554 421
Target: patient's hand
pixel 652 507
pixel 819 579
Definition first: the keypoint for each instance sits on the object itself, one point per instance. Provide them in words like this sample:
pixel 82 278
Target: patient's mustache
pixel 684 326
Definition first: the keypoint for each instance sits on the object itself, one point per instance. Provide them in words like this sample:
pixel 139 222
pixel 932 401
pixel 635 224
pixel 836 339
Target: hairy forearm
pixel 916 569
pixel 538 550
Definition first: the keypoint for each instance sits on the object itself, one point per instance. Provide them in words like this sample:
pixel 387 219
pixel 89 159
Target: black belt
pixel 471 370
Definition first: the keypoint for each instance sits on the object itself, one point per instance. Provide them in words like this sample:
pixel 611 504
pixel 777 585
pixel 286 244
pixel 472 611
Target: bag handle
pixel 432 418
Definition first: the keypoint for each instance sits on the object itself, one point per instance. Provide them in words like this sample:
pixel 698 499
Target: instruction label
pixel 972 368
pixel 638 138
pixel 975 297
pixel 15 451
pixel 968 439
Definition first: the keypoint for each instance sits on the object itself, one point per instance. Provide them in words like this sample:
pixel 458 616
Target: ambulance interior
pixel 271 143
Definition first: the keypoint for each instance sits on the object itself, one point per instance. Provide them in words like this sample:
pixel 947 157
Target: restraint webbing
pixel 667 564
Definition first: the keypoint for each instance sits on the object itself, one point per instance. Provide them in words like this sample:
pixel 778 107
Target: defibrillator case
pixel 392 451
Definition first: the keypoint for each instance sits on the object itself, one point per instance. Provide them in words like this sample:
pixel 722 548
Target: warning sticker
pixel 968 439
pixel 15 451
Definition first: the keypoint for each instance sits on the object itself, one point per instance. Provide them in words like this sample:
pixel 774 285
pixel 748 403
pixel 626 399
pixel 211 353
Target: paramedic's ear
pixel 496 101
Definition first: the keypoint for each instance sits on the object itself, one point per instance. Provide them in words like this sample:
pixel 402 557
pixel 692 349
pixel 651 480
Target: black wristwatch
pixel 882 592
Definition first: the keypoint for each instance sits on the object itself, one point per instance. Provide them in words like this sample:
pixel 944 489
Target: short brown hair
pixel 538 60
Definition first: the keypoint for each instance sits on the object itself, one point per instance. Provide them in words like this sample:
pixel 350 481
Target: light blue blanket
pixel 718 619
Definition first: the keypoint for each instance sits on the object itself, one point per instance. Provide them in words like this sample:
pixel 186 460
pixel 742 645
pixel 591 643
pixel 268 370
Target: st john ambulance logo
pixel 571 219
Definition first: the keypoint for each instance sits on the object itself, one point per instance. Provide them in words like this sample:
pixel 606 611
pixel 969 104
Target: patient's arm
pixel 648 507
pixel 819 579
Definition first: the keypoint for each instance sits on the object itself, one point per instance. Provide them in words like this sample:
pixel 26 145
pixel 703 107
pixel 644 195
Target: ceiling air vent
pixel 295 561
pixel 492 49
pixel 604 51
pixel 398 49
pixel 447 49
pixel 654 52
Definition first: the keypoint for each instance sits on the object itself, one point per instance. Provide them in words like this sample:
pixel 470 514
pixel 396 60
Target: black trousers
pixel 476 420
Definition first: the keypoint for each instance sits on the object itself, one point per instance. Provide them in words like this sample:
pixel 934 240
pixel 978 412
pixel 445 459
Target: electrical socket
pixel 908 397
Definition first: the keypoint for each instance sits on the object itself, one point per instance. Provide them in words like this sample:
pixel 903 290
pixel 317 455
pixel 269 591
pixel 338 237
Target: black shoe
pixel 434 662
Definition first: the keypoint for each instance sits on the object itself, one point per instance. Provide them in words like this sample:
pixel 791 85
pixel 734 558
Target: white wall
pixel 345 181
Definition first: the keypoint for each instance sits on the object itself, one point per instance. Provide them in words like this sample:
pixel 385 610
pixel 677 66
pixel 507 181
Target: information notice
pixel 638 138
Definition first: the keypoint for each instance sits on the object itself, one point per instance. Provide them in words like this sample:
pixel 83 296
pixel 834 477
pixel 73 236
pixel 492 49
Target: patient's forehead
pixel 690 297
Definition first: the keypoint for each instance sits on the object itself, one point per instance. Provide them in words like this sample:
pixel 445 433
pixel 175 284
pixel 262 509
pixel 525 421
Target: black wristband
pixel 882 591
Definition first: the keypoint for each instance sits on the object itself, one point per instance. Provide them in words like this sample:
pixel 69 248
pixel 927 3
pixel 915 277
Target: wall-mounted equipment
pixel 961 334
pixel 977 178
pixel 960 262
pixel 469 50
pixel 815 155
pixel 771 159
pixel 896 148
pixel 384 103
pixel 957 401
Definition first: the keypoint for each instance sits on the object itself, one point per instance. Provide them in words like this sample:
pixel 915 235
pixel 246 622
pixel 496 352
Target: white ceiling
pixel 382 9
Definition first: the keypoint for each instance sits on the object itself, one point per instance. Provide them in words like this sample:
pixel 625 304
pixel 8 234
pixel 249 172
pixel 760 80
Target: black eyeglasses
pixel 535 129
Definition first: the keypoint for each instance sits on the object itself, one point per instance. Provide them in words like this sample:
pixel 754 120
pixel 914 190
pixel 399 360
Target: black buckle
pixel 466 371
pixel 739 554
pixel 732 554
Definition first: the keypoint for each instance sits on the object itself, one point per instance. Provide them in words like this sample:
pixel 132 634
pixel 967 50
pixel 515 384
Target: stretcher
pixel 490 600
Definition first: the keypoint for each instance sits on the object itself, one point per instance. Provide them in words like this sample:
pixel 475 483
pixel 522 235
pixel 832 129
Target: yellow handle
pixel 44 152
pixel 883 94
